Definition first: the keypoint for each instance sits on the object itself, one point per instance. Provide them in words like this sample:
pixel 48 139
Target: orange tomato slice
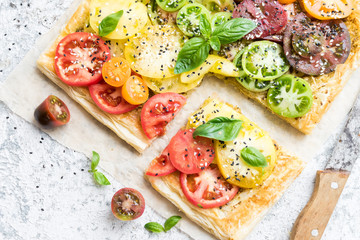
pixel 116 71
pixel 286 1
pixel 327 9
pixel 135 91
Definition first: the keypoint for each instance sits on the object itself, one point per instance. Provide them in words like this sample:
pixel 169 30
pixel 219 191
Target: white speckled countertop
pixel 47 193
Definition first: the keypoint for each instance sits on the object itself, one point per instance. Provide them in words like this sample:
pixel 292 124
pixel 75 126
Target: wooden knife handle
pixel 312 221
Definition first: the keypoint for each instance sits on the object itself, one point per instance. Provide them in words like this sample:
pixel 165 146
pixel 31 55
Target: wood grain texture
pixel 312 221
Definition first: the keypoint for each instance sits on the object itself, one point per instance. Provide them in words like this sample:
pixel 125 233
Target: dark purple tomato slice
pixel 52 112
pixel 127 204
pixel 161 165
pixel 270 17
pixel 316 47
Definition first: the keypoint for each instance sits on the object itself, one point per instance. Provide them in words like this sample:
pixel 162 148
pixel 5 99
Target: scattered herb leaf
pixel 220 128
pixel 215 43
pixel 109 23
pixel 154 227
pixel 95 161
pixel 205 26
pixel 233 30
pixel 253 157
pixel 171 222
pixel 98 176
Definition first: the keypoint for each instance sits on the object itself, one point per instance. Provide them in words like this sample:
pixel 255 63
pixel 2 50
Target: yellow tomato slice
pixel 227 154
pixel 133 20
pixel 327 9
pixel 116 71
pixel 135 90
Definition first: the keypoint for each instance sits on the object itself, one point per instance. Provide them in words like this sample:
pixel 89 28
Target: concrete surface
pixel 47 193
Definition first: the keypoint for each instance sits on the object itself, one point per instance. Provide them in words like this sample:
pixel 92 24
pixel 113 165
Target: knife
pixel 312 221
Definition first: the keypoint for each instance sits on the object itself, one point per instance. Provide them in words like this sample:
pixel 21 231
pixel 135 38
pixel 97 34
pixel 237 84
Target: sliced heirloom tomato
pixel 207 189
pixel 188 19
pixel 133 20
pixel 171 5
pixel 264 60
pixel 80 57
pixel 153 52
pixel 158 111
pixel 189 155
pixel 161 165
pixel 270 17
pixel 220 18
pixel 316 47
pixel 52 112
pixel 290 96
pixel 135 90
pixel 219 5
pixel 247 82
pixel 327 9
pixel 109 99
pixel 127 204
pixel 116 71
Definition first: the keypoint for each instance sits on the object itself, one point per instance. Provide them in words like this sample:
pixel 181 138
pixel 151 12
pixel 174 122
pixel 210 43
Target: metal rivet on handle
pixel 314 232
pixel 334 185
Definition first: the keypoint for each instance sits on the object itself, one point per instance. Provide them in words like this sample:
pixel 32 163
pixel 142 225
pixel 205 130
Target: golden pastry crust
pixel 236 219
pixel 325 88
pixel 127 126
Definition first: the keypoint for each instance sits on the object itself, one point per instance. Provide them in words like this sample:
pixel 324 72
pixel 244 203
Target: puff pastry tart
pixel 112 56
pixel 226 186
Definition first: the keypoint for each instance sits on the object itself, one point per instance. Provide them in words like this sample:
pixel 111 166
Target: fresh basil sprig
pixel 195 52
pixel 157 227
pixel 98 176
pixel 253 157
pixel 233 30
pixel 110 23
pixel 220 128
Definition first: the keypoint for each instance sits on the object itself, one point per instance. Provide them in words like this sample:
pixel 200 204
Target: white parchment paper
pixel 26 88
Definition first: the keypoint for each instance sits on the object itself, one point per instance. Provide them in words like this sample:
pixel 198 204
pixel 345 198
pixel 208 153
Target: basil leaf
pixel 205 26
pixel 94 161
pixel 100 178
pixel 220 128
pixel 234 29
pixel 215 43
pixel 109 23
pixel 171 222
pixel 253 157
pixel 193 54
pixel 154 227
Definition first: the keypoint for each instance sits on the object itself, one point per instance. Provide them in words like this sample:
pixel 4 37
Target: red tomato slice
pixel 109 99
pixel 207 189
pixel 161 166
pixel 158 111
pixel 189 155
pixel 80 57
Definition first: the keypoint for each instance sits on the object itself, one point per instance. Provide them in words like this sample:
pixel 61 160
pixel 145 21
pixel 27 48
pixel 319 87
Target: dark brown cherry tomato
pixel 127 204
pixel 52 112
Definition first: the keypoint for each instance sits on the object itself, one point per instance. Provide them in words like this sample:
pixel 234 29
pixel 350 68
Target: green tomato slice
pixel 264 60
pixel 171 5
pixel 290 96
pixel 188 19
pixel 247 82
pixel 219 5
pixel 220 18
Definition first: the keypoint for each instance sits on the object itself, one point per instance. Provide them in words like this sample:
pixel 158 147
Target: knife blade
pixel 329 183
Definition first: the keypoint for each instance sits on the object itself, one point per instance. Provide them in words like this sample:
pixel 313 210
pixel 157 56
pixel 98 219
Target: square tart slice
pixel 237 218
pixel 128 125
